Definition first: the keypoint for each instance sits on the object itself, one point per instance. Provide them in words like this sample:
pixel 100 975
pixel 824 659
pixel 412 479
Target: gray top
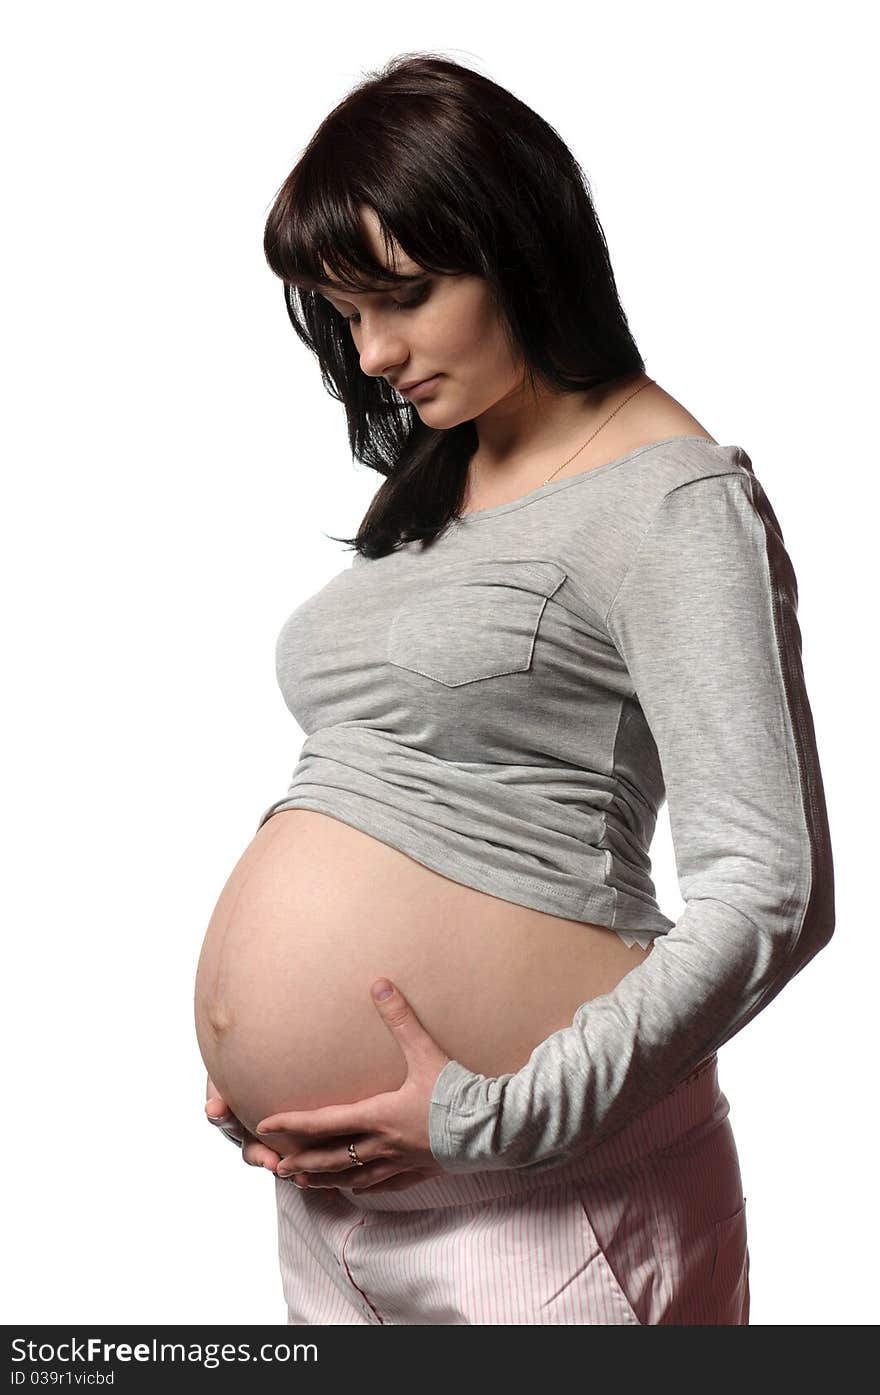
pixel 511 705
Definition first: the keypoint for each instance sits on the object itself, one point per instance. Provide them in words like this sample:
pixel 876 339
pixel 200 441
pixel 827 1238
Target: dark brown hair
pixel 466 179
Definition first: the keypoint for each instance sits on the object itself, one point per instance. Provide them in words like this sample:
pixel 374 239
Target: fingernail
pixel 283 1171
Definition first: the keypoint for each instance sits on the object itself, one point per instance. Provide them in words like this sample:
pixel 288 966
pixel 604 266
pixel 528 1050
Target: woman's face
pixel 443 325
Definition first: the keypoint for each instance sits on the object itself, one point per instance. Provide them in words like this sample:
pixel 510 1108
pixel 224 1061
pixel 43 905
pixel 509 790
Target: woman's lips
pixel 427 385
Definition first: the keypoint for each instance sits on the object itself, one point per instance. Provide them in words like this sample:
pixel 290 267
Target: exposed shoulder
pixel 657 415
pixel 672 446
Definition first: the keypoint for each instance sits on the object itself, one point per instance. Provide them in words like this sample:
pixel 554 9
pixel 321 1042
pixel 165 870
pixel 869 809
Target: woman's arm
pixel 705 620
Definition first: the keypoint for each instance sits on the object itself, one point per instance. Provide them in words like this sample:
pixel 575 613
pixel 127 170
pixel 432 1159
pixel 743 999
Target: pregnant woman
pixel 567 604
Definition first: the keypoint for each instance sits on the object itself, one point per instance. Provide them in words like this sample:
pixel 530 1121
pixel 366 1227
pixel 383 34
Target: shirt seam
pixel 782 660
pixel 580 476
pixel 685 484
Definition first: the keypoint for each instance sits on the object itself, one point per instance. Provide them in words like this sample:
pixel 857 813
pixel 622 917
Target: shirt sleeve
pixel 705 620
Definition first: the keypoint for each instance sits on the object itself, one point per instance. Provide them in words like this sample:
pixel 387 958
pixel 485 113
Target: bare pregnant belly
pixel 314 910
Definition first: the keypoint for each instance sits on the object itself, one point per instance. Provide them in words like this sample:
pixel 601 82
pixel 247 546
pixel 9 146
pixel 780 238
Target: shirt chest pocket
pixel 481 624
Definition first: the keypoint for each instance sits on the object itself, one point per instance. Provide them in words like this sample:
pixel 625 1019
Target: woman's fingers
pixel 254 1152
pixel 217 1114
pixel 213 1096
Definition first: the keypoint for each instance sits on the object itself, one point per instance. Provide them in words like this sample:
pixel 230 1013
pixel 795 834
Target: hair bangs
pixel 316 238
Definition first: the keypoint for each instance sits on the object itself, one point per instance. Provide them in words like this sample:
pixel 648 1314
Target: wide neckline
pixel 552 486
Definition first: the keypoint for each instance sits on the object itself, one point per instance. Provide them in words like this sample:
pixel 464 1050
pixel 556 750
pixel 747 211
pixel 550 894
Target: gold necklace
pixel 596 432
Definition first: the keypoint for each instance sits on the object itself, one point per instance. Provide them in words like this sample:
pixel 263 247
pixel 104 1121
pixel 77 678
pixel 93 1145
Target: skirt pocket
pixel 730 1270
pixel 614 1229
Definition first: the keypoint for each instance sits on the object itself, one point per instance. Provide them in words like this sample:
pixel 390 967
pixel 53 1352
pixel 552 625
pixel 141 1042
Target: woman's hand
pixel 390 1131
pixel 254 1152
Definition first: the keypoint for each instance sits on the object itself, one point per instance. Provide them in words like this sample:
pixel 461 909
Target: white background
pixel 171 467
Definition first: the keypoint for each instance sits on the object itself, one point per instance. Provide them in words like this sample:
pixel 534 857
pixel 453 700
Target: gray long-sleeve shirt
pixel 511 705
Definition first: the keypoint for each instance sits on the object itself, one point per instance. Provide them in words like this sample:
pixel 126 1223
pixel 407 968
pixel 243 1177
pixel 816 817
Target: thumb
pixel 399 1017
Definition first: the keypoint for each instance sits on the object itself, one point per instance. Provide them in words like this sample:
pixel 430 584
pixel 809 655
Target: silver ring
pixel 352 1153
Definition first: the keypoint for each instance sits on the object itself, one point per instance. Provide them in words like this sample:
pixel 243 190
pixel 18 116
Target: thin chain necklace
pixel 596 432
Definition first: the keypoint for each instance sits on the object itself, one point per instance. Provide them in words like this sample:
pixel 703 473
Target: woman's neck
pixel 523 438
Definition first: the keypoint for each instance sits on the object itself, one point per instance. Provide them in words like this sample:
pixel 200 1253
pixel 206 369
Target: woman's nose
pixel 381 350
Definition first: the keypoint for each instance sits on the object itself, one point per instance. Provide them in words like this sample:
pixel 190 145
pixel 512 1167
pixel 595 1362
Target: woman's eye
pixel 420 296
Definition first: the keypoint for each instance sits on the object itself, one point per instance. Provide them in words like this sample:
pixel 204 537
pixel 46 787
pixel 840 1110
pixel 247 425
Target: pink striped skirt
pixel 647 1227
